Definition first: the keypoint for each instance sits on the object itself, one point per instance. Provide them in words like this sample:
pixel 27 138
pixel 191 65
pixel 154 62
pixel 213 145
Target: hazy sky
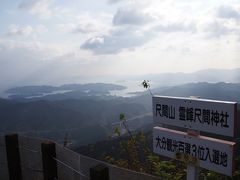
pixel 47 41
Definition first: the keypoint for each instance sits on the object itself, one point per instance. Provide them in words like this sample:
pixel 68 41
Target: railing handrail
pixel 67 165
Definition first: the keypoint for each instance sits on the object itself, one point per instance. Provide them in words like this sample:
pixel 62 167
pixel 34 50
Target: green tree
pixel 139 156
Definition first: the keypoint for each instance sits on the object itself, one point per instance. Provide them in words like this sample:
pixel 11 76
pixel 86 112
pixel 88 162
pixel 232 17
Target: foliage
pixel 139 157
pixel 122 117
pixel 146 85
pixel 168 170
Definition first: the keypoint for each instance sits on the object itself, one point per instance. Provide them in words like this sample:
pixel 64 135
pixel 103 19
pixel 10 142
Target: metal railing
pixel 68 164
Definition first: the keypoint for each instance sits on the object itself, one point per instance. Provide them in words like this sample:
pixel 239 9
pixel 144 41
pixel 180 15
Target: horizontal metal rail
pixel 74 170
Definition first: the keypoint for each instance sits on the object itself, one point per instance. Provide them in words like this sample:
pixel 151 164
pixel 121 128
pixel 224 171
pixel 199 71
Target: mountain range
pixel 206 75
pixel 66 91
pixel 90 117
pixel 216 91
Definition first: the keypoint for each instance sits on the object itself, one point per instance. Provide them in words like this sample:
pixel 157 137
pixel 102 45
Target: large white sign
pixel 217 117
pixel 202 151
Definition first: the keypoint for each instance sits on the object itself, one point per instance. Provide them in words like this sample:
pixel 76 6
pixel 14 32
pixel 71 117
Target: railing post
pixel 48 161
pixel 99 172
pixel 13 157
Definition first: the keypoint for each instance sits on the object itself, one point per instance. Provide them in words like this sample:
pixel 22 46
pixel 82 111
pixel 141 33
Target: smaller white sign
pixel 209 153
pixel 218 117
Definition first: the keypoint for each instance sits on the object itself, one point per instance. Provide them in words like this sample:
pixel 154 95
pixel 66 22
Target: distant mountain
pixel 89 117
pixel 85 120
pixel 30 90
pixel 65 95
pixel 69 91
pixel 207 75
pixel 217 91
pixel 40 115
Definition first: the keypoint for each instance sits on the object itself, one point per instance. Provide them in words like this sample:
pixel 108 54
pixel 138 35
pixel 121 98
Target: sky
pixel 56 41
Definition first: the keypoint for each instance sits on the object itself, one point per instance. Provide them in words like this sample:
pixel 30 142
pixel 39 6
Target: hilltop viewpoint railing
pixel 25 158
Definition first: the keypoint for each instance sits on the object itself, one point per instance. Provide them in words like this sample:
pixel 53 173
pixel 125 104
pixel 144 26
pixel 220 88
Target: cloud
pixel 131 29
pixel 14 30
pixel 130 37
pixel 41 29
pixel 131 16
pixel 116 41
pixel 27 62
pixel 228 12
pixel 114 1
pixel 83 28
pixel 176 27
pixel 218 28
pixel 37 7
pixel 85 23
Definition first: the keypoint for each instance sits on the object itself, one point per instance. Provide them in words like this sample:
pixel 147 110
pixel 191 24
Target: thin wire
pixel 31 150
pixel 25 166
pixel 32 169
pixel 70 167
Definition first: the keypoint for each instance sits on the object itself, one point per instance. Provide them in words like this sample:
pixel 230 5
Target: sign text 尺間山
pixel 218 117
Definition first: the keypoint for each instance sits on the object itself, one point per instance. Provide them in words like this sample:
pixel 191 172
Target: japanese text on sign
pixel 213 154
pixel 211 116
pixel 207 116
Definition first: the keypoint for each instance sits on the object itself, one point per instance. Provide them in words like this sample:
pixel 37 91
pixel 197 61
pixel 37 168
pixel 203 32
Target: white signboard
pixel 202 151
pixel 217 117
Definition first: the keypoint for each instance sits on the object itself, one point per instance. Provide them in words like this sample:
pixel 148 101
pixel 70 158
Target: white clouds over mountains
pixel 140 23
pixel 101 36
pixel 136 23
pixel 117 40
pixel 133 27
